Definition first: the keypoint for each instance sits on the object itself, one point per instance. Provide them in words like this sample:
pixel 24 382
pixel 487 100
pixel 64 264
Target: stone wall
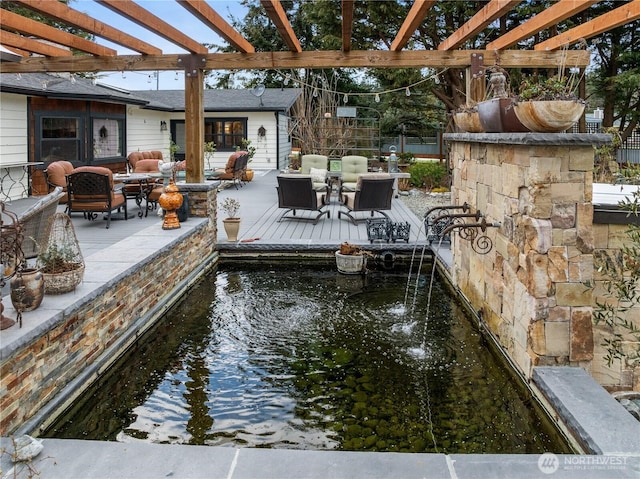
pixel 531 287
pixel 34 372
pixel 625 373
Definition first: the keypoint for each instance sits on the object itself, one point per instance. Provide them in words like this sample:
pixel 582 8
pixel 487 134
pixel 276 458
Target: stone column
pixel 531 287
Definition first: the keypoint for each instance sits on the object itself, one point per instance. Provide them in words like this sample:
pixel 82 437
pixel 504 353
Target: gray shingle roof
pixel 64 86
pixel 273 99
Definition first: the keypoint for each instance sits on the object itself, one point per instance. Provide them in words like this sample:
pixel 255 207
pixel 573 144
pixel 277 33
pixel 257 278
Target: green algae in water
pixel 301 358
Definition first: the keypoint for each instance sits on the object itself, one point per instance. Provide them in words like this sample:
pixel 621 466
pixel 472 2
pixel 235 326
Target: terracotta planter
pixel 27 289
pixel 231 227
pixel 549 116
pixel 247 175
pixel 499 116
pixel 468 121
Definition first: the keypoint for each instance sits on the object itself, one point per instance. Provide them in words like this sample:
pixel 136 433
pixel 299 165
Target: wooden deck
pixel 262 223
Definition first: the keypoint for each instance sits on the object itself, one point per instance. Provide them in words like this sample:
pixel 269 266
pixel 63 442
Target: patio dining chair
pixel 56 176
pixel 373 193
pixel 90 191
pixel 295 192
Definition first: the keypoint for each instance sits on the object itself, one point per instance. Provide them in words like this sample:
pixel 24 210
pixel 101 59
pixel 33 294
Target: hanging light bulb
pixel 377 98
pixel 345 99
pixel 123 75
pixel 407 92
pixel 315 92
pixel 149 79
pixel 19 76
pixel 176 78
pixel 286 79
pixel 73 78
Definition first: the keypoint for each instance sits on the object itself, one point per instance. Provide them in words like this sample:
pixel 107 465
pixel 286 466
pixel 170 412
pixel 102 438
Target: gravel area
pixel 420 202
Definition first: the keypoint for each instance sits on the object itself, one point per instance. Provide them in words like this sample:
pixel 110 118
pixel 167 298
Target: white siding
pixel 13 145
pixel 143 131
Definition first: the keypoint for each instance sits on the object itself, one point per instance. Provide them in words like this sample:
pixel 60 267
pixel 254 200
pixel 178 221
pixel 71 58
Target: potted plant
pixel 496 113
pixel 548 105
pixel 209 150
pixel 351 259
pixel 251 150
pixel 61 268
pixel 231 223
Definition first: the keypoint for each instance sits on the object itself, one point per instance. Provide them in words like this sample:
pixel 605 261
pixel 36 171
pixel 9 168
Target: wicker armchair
pixel 34 222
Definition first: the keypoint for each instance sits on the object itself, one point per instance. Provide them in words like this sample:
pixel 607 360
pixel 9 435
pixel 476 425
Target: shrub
pixel 427 173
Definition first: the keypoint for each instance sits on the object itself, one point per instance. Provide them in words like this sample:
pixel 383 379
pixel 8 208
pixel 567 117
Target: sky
pixel 171 12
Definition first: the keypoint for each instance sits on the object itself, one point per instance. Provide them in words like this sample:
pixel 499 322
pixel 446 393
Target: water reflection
pixel 298 357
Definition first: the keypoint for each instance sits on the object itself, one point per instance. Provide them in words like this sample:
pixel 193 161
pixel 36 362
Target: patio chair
pixel 90 190
pixel 141 190
pixel 373 193
pixel 352 167
pixel 56 176
pixel 34 222
pixel 295 192
pixel 233 170
pixel 133 159
pixel 316 167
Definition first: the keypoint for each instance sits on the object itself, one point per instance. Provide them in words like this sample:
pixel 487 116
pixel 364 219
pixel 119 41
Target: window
pixel 227 134
pixel 108 137
pixel 60 138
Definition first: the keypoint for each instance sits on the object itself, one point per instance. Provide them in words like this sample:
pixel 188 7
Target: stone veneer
pixel 36 369
pixel 530 287
pixel 608 239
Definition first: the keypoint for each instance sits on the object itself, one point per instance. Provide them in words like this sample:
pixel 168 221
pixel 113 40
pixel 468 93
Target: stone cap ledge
pixel 531 139
pixel 597 420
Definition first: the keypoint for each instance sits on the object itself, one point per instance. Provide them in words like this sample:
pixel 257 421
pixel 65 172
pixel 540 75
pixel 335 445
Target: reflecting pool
pixel 300 356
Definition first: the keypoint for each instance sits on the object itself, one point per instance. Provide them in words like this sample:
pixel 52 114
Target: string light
pixel 123 75
pixel 176 78
pixel 73 78
pixel 315 92
pixel 345 96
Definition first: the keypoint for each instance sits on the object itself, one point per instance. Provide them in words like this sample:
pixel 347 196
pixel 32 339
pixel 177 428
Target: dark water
pixel 305 358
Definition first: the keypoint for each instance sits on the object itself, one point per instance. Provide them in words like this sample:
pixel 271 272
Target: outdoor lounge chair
pixel 373 193
pixel 295 192
pixel 316 167
pixel 90 190
pixel 34 222
pixel 233 170
pixel 56 176
pixel 352 167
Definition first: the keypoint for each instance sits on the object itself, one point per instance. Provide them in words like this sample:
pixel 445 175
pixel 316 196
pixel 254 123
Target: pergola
pixel 52 56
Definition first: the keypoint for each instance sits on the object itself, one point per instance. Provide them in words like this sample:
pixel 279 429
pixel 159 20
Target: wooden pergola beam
pixel 416 15
pixel 493 10
pixel 318 59
pixel 620 16
pixel 146 19
pixel 278 16
pixel 551 16
pixel 59 11
pixel 28 26
pixel 213 20
pixel 347 24
pixel 27 44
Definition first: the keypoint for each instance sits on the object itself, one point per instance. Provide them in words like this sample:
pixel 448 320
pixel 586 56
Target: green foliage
pixel 553 88
pixel 173 149
pixel 404 158
pixel 622 294
pixel 57 259
pixel 246 146
pixel 209 147
pixel 427 173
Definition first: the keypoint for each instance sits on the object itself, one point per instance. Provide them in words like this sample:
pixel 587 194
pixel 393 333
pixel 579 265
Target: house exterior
pixel 45 117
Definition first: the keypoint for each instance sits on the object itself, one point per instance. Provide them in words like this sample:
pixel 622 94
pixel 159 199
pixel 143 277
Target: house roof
pixel 65 86
pixel 273 99
pixel 72 88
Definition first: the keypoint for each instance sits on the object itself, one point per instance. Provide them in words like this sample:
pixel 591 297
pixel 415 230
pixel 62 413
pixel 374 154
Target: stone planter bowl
pixel 549 116
pixel 468 121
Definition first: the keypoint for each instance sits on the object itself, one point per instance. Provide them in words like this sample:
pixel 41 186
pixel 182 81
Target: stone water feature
pixel 531 287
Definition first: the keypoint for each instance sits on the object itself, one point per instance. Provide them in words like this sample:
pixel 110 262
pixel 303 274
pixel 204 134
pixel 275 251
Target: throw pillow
pixel 318 175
